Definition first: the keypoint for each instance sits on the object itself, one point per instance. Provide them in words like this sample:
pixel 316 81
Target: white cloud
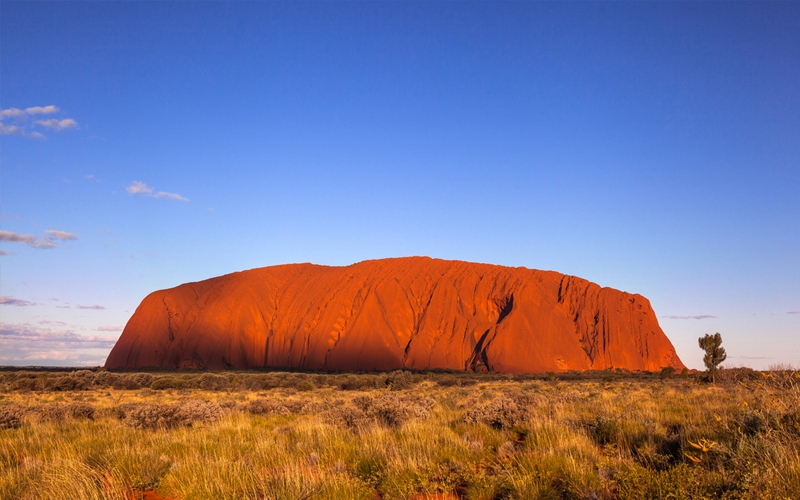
pixel 3 252
pixel 61 235
pixel 21 124
pixel 42 110
pixel 139 188
pixel 10 130
pixel 91 307
pixel 11 112
pixel 172 196
pixel 58 125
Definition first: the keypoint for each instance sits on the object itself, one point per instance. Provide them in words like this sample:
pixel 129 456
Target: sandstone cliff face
pixel 387 314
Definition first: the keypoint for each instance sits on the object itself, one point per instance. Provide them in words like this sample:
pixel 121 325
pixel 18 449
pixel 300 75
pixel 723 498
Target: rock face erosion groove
pixel 414 312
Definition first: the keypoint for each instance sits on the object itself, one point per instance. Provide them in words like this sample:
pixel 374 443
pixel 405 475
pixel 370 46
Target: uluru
pixel 401 313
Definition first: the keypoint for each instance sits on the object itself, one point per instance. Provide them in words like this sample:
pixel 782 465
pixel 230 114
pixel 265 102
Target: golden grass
pixel 628 439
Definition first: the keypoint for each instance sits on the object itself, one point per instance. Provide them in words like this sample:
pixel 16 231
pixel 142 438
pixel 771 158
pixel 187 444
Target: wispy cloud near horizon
pixel 110 328
pixel 138 188
pixel 11 301
pixel 699 316
pixel 24 343
pixel 91 307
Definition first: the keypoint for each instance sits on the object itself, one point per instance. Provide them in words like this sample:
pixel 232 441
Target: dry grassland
pixel 100 435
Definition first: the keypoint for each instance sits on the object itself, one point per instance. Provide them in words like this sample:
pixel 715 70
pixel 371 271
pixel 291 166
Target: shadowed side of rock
pixel 415 312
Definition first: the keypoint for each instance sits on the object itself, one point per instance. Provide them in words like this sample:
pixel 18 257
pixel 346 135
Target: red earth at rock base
pixel 413 313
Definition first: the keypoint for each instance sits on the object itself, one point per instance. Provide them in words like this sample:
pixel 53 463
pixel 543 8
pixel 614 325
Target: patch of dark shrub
pixel 121 411
pixel 80 410
pixel 391 410
pixel 53 412
pixel 348 416
pixel 750 422
pixel 11 416
pixel 24 384
pixel 602 430
pixel 125 382
pixel 162 383
pixel 166 416
pixel 260 382
pixel 448 381
pixel 105 379
pixel 400 380
pixel 213 382
pixel 350 383
pixel 500 413
pixel 67 383
pixel 265 407
pixel 56 412
pixel 305 386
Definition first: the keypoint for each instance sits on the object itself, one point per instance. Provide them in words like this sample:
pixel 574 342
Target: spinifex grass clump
pixel 359 436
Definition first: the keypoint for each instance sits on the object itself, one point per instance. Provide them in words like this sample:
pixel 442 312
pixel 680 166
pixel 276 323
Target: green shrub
pixel 163 383
pixel 682 482
pixel 305 386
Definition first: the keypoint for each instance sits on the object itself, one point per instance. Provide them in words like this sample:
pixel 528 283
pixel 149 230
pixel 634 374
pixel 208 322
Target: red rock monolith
pixel 415 313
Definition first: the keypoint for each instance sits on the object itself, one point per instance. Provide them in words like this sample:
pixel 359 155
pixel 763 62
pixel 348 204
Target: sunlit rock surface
pixel 413 312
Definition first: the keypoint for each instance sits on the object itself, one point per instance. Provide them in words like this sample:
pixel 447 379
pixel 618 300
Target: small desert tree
pixel 715 353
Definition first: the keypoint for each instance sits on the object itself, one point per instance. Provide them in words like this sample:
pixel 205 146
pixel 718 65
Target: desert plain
pixel 611 434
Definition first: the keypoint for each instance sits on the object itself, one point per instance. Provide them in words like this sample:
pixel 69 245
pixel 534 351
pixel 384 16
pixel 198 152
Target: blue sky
pixel 650 147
